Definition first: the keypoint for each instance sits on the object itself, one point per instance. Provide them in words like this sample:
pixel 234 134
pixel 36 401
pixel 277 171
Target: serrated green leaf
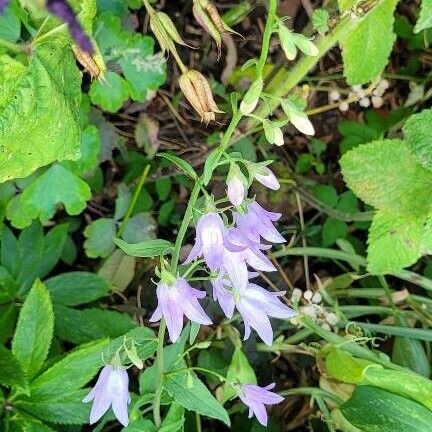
pixel 189 391
pixel 34 330
pixel 147 249
pixel 16 215
pixel 10 23
pixel 49 90
pixel 394 242
pixel 8 315
pixel 139 228
pixel 11 371
pixel 374 36
pixel 11 71
pixel 142 70
pixel 417 131
pixel 99 238
pixel 76 288
pixel 71 373
pixel 82 326
pixel 385 174
pixel 111 93
pixel 425 18
pixel 40 199
pixel 68 409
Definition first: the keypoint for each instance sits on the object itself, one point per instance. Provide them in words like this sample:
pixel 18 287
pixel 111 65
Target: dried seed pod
pixel 197 91
pixel 87 61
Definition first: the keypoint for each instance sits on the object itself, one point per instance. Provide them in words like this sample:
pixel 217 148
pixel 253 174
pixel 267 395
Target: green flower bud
pixel 251 98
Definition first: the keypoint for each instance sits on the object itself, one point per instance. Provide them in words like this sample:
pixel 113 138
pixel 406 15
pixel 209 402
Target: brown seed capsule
pixel 86 61
pixel 197 91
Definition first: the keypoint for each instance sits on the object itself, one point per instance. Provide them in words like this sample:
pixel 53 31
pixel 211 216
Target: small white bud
pixel 317 298
pixel 325 326
pixel 308 295
pixel 343 106
pixel 331 318
pixel 364 102
pixel 377 101
pixel 357 88
pixel 309 311
pixel 279 138
pixel 334 95
pixel 384 84
pixel 296 295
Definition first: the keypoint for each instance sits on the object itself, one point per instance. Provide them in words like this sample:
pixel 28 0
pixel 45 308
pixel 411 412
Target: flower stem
pixel 159 375
pixel 268 30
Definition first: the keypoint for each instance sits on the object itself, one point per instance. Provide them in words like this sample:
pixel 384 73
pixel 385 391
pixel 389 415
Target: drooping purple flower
pixel 62 10
pixel 223 295
pixel 3 5
pixel 174 301
pixel 258 222
pixel 266 177
pixel 256 397
pixel 111 389
pixel 235 191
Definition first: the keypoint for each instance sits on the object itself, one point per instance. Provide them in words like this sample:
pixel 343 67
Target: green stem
pixel 268 30
pixel 134 200
pixel 311 391
pixel 159 375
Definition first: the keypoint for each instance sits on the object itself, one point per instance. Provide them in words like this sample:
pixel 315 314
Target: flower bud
pixel 236 185
pixel 169 27
pixel 132 354
pixel 273 133
pixel 305 45
pixel 266 177
pixel 297 117
pixel 286 39
pixel 197 91
pixel 251 98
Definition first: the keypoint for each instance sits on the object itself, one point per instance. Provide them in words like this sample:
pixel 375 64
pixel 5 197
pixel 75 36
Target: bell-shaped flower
pixel 235 190
pixel 258 222
pixel 177 298
pixel 111 389
pixel 256 305
pixel 209 241
pixel 266 177
pixel 256 397
pixel 223 295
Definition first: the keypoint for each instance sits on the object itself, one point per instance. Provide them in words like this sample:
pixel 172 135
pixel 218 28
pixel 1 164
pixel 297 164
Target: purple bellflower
pixel 256 397
pixel 175 299
pixel 235 191
pixel 62 10
pixel 111 389
pixel 3 5
pixel 266 177
pixel 258 222
pixel 255 305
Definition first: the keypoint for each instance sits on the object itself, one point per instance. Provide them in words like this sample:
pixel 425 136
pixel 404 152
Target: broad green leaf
pixel 374 410
pixel 49 90
pixel 394 242
pixel 142 70
pixel 16 215
pixel 119 270
pixel 366 49
pixel 8 314
pixel 99 238
pixel 189 391
pixel 418 137
pixel 34 330
pixel 8 287
pixel 111 93
pixel 140 426
pixel 76 288
pixel 411 354
pixel 333 230
pixel 67 409
pixel 210 165
pixel 86 12
pixel 71 373
pixel 9 251
pixel 11 71
pixel 174 420
pixel 406 384
pixel 11 371
pixel 146 249
pixel 425 18
pixel 139 228
pixel 385 174
pixel 346 368
pixel 41 198
pixel 90 149
pixel 163 187
pixel 82 326
pixel 122 201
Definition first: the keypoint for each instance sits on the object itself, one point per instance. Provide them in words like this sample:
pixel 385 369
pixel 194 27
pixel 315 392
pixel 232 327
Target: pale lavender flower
pixel 266 177
pixel 174 301
pixel 256 305
pixel 111 389
pixel 223 295
pixel 256 397
pixel 258 222
pixel 3 4
pixel 235 190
